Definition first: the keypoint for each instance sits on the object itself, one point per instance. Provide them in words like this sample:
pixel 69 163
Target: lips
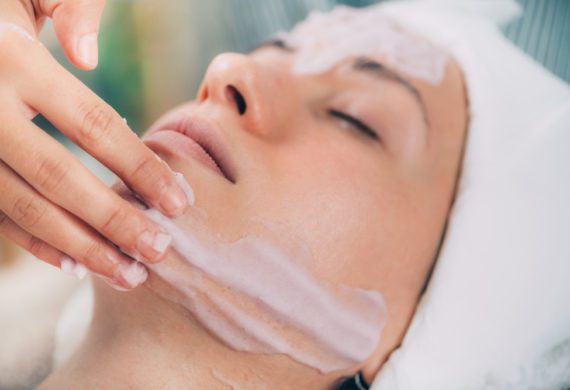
pixel 196 137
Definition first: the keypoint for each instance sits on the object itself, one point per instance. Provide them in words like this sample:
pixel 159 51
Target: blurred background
pixel 152 57
pixel 153 54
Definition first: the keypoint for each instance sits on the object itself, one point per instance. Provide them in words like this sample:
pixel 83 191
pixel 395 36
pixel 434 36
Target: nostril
pixel 203 94
pixel 234 95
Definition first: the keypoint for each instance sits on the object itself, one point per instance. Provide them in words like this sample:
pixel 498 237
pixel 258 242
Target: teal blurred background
pixel 153 54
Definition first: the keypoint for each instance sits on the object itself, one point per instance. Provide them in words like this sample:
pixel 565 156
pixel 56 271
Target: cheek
pixel 340 203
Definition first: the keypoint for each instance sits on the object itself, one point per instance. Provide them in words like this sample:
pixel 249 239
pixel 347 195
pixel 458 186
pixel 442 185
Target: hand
pixel 51 204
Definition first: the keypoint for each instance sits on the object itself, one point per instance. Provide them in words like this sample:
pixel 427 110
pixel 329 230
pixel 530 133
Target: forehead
pixel 326 39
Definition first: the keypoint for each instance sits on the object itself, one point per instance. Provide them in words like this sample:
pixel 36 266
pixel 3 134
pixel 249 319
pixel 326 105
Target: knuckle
pixel 147 170
pixel 3 220
pixel 28 211
pixel 114 222
pixel 51 173
pixel 92 254
pixel 95 123
pixel 35 246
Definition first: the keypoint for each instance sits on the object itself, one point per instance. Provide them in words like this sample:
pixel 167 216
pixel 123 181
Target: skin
pixel 372 211
pixel 45 188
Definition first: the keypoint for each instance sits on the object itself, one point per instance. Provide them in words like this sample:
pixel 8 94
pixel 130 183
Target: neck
pixel 141 341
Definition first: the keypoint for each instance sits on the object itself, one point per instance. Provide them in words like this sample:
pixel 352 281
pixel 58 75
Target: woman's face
pixel 369 196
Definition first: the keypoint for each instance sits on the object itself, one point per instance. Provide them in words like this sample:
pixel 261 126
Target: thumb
pixel 76 24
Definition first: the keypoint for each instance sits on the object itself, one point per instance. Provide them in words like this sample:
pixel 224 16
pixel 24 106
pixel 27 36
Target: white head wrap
pixel 496 314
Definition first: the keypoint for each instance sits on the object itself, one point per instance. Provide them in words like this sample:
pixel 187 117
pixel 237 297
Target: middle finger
pixel 55 173
pixel 48 222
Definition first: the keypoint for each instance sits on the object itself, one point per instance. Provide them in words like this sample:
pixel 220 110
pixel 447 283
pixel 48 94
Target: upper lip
pixel 205 134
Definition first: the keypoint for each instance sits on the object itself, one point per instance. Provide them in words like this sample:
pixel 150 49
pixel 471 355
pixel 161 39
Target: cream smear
pixel 17 29
pixel 72 268
pixel 325 39
pixel 256 294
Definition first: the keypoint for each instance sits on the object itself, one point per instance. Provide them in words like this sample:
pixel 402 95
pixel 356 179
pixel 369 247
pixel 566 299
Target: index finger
pixel 92 124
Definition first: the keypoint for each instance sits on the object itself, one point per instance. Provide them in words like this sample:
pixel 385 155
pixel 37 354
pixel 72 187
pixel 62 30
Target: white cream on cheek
pixel 324 40
pixel 256 295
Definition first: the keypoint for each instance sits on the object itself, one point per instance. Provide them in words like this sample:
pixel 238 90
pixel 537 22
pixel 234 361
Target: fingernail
pixel 87 49
pixel 80 271
pixel 134 274
pixel 66 264
pixel 112 257
pixel 152 245
pixel 185 187
pixel 114 284
pixel 173 200
pixel 72 268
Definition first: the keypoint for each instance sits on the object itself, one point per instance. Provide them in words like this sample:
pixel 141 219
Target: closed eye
pixel 352 121
pixel 277 42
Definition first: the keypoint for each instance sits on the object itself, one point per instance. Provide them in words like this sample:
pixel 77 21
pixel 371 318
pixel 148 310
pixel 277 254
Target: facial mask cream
pixel 256 295
pixel 325 39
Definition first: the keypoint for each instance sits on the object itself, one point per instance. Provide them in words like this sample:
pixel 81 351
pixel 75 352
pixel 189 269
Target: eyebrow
pixel 365 65
pixel 379 70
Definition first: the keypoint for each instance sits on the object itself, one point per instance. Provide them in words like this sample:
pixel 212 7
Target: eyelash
pixel 279 43
pixel 276 42
pixel 352 121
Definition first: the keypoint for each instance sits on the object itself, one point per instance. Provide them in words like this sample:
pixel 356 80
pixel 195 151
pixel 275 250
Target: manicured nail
pixel 71 267
pixel 134 274
pixel 112 257
pixel 66 264
pixel 185 187
pixel 152 245
pixel 114 284
pixel 87 49
pixel 80 271
pixel 173 200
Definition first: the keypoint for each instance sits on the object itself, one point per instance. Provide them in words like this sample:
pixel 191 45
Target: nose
pixel 245 87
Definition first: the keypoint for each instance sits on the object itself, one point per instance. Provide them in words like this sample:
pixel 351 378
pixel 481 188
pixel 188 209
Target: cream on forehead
pixel 325 39
pixel 256 294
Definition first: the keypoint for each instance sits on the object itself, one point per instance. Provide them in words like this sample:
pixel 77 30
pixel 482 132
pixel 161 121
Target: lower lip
pixel 179 144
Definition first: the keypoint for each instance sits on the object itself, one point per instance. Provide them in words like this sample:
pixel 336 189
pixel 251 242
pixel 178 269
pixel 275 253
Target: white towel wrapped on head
pixel 496 314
